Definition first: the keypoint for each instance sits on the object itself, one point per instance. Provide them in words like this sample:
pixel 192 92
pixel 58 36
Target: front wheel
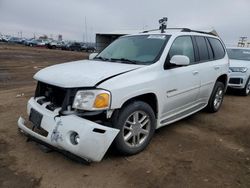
pixel 216 97
pixel 136 122
pixel 246 90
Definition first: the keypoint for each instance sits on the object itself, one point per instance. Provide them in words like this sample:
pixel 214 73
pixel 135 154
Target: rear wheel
pixel 216 97
pixel 136 122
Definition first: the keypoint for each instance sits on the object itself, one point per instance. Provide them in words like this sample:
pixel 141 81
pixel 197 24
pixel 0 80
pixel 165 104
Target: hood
pixel 84 73
pixel 239 63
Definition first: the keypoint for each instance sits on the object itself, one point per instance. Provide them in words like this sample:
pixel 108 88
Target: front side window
pixel 239 54
pixel 140 49
pixel 182 46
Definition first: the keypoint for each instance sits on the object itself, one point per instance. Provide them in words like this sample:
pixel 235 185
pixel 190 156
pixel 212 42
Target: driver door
pixel 181 83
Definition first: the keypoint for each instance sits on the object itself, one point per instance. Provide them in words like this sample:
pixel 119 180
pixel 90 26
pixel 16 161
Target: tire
pixel 125 120
pixel 246 90
pixel 216 97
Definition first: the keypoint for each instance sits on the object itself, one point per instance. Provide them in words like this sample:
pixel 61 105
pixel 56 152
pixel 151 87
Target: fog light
pixel 74 138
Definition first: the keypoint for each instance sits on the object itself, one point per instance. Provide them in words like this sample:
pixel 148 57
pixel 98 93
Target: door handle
pixel 216 67
pixel 195 72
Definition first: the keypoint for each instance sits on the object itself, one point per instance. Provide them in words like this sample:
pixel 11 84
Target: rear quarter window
pixel 217 47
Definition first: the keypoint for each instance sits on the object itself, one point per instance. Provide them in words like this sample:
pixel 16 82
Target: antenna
pixel 163 24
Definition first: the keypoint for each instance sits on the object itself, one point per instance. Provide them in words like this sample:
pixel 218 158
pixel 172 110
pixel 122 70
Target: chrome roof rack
pixel 213 32
pixel 163 27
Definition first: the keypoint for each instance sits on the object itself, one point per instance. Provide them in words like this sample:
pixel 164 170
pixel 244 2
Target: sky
pixel 81 19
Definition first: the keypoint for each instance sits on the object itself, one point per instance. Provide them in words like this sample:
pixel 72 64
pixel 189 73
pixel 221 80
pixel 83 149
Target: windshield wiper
pixel 101 58
pixel 125 60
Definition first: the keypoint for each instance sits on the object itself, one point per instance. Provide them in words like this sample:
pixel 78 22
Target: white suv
pixel 239 70
pixel 139 83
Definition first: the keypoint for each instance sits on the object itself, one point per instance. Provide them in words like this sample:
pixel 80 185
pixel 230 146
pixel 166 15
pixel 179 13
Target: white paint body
pixel 180 92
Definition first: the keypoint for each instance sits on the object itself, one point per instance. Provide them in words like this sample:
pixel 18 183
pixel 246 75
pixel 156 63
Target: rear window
pixel 202 48
pixel 217 47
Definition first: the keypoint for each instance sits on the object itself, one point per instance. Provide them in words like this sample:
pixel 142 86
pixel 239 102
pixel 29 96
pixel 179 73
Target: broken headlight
pixel 92 100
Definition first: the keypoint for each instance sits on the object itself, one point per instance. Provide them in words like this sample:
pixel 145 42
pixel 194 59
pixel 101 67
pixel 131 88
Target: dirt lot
pixel 204 150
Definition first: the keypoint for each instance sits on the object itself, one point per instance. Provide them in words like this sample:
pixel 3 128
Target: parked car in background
pixel 88 47
pixel 137 84
pixel 239 74
pixel 42 42
pixel 66 45
pixel 30 42
pixel 5 38
pixel 75 46
pixel 55 44
pixel 15 40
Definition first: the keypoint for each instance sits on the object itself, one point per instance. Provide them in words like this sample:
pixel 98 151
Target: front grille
pixel 236 81
pixel 56 97
pixel 53 94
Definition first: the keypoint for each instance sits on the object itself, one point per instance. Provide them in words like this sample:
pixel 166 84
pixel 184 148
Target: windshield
pixel 239 54
pixel 140 49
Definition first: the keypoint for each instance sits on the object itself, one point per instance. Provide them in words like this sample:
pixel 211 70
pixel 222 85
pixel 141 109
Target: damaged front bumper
pixel 93 139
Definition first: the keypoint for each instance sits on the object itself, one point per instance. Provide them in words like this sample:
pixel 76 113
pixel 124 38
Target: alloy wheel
pixel 218 98
pixel 136 129
pixel 248 87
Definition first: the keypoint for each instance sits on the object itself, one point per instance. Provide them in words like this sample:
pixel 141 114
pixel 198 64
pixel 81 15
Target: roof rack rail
pixel 150 30
pixel 160 29
pixel 213 32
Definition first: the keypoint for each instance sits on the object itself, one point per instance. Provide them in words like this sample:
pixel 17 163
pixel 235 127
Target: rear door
pixel 210 51
pixel 205 67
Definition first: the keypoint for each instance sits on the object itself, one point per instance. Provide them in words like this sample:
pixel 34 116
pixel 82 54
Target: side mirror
pixel 92 56
pixel 180 60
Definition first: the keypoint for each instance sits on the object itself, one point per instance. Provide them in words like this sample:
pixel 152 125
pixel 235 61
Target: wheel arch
pixel 224 79
pixel 149 98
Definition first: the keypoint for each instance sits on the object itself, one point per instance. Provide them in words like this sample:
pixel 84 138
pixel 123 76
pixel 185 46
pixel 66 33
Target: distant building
pixel 104 39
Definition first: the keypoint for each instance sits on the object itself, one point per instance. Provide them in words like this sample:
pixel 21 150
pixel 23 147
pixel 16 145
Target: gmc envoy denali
pixel 137 84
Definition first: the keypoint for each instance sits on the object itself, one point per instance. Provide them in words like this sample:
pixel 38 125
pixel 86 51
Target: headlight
pixel 92 100
pixel 238 69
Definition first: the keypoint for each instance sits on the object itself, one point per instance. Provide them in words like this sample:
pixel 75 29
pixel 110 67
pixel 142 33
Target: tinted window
pixel 182 46
pixel 217 47
pixel 202 48
pixel 210 51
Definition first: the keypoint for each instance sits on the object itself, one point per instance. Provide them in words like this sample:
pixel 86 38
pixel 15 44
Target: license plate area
pixel 36 118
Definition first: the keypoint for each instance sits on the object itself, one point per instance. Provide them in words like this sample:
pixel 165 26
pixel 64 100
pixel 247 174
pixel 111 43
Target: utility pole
pixel 242 41
pixel 86 30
